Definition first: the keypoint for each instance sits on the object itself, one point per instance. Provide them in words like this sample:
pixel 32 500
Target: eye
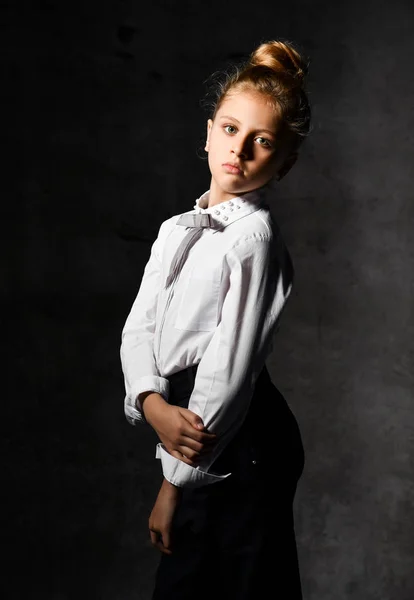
pixel 231 127
pixel 264 142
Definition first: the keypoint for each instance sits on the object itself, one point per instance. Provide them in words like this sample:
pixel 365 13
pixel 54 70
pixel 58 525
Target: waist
pixel 181 385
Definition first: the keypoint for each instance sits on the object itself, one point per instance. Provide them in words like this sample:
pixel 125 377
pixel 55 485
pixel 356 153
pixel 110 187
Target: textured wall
pixel 103 125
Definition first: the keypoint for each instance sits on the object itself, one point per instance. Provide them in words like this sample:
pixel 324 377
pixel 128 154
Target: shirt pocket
pixel 199 302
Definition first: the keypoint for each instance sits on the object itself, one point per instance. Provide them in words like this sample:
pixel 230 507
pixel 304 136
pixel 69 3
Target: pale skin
pixel 246 131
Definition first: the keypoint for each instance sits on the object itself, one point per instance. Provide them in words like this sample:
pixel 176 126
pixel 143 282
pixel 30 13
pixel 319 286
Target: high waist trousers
pixel 235 539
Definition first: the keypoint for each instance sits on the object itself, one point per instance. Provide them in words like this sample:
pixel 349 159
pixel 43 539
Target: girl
pixel 195 344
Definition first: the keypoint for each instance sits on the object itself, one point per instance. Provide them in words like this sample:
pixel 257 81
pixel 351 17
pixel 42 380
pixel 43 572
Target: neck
pixel 218 195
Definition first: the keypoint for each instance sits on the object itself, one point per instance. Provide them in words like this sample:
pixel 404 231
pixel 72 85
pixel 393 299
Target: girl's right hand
pixel 180 430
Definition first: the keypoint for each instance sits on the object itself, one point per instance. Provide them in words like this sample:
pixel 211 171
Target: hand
pixel 161 516
pixel 180 430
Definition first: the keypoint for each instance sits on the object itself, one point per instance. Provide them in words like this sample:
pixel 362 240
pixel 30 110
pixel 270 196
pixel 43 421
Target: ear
pixel 209 126
pixel 287 165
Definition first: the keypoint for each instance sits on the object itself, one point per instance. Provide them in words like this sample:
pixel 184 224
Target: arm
pixel 179 429
pixel 162 515
pixel 259 287
pixel 137 358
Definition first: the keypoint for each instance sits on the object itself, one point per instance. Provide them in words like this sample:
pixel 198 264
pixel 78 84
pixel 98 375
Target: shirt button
pixel 230 203
pixel 225 218
pixel 217 212
pixel 238 206
pixel 231 209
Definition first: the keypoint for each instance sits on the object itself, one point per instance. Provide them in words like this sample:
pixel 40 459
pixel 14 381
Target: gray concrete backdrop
pixel 102 125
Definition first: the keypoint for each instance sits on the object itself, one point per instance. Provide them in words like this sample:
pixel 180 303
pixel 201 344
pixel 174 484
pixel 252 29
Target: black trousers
pixel 235 539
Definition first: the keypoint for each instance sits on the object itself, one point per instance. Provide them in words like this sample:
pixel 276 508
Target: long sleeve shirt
pixel 221 313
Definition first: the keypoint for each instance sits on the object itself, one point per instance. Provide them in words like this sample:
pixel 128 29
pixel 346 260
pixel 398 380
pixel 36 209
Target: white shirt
pixel 220 313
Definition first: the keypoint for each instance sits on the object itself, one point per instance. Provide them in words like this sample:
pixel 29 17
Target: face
pixel 245 145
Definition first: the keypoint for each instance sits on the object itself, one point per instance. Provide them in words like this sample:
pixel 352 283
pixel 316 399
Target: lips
pixel 232 168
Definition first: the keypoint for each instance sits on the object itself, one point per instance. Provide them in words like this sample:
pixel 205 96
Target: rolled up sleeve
pixel 259 286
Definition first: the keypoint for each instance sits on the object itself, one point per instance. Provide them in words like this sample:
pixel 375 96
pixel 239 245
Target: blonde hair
pixel 276 70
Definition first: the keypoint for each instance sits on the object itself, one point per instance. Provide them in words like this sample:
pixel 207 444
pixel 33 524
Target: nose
pixel 240 152
pixel 240 148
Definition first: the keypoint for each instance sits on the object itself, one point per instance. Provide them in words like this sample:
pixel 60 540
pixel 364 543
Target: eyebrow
pixel 237 121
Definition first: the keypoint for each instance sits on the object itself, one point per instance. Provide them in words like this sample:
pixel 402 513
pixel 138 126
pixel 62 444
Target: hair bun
pixel 282 58
pixel 275 70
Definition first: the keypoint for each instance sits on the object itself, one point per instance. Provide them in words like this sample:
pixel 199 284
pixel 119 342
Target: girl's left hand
pixel 161 516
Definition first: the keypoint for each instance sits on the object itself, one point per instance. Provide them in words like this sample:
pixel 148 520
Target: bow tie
pixel 197 222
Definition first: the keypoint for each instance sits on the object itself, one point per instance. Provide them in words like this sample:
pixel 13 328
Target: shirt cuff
pixel 133 416
pixel 180 474
pixel 149 383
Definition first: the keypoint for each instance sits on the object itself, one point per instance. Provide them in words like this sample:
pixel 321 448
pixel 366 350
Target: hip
pixel 268 439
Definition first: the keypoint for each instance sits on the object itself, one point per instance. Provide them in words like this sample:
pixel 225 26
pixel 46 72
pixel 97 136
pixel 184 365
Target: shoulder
pixel 259 226
pixel 261 244
pixel 168 225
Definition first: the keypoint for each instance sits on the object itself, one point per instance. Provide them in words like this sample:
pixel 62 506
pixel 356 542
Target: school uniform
pixel 199 333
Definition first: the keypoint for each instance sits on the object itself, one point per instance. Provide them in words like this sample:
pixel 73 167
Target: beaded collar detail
pixel 230 210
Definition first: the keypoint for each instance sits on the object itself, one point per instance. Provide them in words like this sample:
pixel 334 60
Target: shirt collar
pixel 231 210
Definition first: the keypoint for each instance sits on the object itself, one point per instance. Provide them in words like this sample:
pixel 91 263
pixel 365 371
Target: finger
pixel 191 454
pixel 195 421
pixel 190 458
pixel 163 549
pixel 197 447
pixel 200 437
pixel 192 448
pixel 166 539
pixel 156 540
pixel 195 453
pixel 183 458
pixel 154 535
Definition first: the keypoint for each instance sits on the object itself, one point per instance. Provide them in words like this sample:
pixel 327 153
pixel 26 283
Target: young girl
pixel 194 350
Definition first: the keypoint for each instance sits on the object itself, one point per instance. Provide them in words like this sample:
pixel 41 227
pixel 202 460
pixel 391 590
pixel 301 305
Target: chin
pixel 234 192
pixel 236 188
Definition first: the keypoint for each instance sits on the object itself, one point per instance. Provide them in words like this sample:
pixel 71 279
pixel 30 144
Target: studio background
pixel 103 128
